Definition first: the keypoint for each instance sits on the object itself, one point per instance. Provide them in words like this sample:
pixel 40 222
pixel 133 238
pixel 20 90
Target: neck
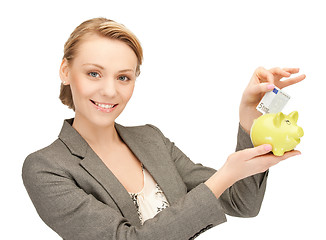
pixel 95 135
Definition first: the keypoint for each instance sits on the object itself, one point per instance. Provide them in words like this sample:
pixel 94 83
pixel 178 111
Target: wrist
pixel 219 182
pixel 247 115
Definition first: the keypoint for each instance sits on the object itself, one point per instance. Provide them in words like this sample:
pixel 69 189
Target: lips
pixel 104 107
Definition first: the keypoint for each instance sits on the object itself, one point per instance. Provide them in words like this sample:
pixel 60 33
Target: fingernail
pixel 268 147
pixel 270 86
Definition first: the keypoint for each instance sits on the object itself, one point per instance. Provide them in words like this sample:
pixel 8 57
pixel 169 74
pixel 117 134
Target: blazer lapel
pixel 150 153
pixel 156 160
pixel 99 171
pixel 95 166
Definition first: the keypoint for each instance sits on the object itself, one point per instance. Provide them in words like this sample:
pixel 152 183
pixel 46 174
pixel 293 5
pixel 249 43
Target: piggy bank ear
pixel 294 116
pixel 278 119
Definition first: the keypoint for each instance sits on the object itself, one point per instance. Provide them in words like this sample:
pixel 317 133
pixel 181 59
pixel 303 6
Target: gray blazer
pixel 80 198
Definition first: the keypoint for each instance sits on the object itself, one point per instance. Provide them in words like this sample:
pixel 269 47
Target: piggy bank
pixel 277 129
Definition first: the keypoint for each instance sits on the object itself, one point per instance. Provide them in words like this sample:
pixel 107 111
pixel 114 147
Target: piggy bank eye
pixel 288 122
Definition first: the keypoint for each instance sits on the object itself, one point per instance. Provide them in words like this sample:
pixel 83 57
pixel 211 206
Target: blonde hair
pixel 102 27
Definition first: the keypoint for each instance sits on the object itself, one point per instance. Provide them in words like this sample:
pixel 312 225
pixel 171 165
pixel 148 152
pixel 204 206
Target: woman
pixel 101 180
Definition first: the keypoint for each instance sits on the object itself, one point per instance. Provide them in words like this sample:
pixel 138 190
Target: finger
pixel 272 159
pixel 264 162
pixel 264 75
pixel 280 72
pixel 250 153
pixel 291 81
pixel 289 154
pixel 292 70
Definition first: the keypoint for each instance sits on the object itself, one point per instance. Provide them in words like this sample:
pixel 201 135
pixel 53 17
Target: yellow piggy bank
pixel 277 129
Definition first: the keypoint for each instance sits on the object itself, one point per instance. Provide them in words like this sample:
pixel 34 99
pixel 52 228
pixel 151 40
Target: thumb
pixel 256 151
pixel 261 88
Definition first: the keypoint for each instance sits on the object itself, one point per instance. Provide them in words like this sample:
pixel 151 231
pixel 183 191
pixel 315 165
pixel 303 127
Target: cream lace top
pixel 150 200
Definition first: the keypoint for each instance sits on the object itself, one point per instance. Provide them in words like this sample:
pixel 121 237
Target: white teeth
pixel 104 105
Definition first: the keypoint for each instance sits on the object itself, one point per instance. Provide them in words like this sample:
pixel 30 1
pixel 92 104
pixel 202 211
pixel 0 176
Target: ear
pixel 64 72
pixel 294 116
pixel 278 119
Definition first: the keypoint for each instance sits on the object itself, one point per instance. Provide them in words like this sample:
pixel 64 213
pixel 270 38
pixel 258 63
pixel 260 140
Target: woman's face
pixel 102 79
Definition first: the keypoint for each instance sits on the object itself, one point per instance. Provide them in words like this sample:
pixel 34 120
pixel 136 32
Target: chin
pixel 104 119
pixel 102 122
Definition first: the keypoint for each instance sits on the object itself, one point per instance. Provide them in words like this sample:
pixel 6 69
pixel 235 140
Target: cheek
pixel 128 92
pixel 80 88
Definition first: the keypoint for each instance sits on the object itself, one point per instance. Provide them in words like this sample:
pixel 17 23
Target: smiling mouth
pixel 103 105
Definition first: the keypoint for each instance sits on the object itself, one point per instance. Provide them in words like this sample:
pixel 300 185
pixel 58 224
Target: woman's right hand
pixel 245 163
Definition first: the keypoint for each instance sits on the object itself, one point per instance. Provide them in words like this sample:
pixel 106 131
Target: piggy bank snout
pixel 300 132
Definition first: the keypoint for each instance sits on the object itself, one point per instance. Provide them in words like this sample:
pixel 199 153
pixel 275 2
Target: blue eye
pixel 93 74
pixel 123 78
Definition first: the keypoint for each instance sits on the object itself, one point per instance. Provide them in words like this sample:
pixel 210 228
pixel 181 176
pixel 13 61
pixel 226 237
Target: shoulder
pixel 45 159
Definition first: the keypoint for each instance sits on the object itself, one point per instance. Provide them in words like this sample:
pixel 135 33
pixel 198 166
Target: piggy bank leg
pixel 278 151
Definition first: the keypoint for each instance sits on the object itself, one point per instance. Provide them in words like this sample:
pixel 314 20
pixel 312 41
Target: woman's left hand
pixel 263 81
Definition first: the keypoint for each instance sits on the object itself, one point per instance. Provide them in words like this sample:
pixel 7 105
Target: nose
pixel 109 88
pixel 300 132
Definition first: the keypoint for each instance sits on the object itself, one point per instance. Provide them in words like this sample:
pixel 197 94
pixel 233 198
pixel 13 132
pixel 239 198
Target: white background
pixel 199 56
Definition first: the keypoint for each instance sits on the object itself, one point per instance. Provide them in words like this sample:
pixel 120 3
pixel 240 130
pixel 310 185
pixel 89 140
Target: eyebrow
pixel 94 64
pixel 101 67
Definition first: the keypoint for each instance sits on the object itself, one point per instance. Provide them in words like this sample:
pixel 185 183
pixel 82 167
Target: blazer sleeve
pixel 242 199
pixel 245 197
pixel 74 214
